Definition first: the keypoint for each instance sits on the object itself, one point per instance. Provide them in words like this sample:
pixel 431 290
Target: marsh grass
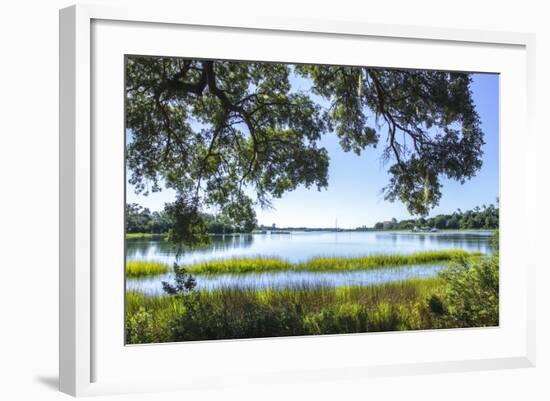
pixel 148 319
pixel 144 236
pixel 323 264
pixel 444 301
pixel 247 313
pixel 240 265
pixel 142 268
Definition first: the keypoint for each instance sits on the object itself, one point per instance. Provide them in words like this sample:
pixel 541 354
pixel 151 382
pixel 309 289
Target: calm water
pixel 301 246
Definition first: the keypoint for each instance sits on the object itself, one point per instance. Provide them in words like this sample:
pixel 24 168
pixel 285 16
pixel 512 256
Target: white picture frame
pixel 92 39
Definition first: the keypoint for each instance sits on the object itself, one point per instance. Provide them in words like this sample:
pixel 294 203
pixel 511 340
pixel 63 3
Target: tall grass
pixel 141 268
pixel 246 313
pixel 148 319
pixel 464 295
pixel 144 236
pixel 322 264
pixel 240 265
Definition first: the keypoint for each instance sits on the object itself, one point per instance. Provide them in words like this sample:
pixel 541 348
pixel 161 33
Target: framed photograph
pixel 316 200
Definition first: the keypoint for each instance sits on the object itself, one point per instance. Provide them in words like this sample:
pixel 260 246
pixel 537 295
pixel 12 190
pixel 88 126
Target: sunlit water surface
pixel 299 247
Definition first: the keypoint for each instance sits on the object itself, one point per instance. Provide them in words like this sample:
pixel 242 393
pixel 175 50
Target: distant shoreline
pixel 291 230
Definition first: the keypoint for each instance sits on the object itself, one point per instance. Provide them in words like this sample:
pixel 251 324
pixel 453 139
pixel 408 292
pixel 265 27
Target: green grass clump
pixel 141 268
pixel 323 264
pixel 240 265
pixel 144 236
pixel 464 295
pixel 149 318
pixel 246 313
pixel 378 261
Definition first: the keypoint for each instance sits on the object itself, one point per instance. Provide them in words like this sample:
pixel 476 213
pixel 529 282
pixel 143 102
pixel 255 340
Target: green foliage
pixel 263 264
pixel 141 220
pixel 471 295
pixel 241 211
pixel 465 295
pixel 486 217
pixel 229 135
pixel 141 236
pixel 140 327
pixel 234 313
pixel 254 132
pixel 184 283
pixel 189 226
pixel 432 127
pixel 141 223
pixel 436 305
pixel 150 319
pixel 495 241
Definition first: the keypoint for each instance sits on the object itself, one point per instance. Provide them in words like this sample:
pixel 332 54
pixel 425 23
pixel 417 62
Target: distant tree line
pixel 141 220
pixel 484 217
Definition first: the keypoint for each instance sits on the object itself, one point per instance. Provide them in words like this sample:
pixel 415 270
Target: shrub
pixel 140 327
pixel 471 295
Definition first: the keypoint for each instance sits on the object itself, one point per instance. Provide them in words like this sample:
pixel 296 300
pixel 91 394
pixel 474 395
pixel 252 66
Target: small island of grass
pixel 141 268
pixel 318 264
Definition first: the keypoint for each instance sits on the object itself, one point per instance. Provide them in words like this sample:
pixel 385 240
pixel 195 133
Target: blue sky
pixel 354 193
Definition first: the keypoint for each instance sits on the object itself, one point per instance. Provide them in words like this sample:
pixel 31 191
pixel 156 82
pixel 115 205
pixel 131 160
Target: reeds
pixel 231 313
pixel 323 264
pixel 141 268
pixel 318 264
pixel 144 236
pixel 247 313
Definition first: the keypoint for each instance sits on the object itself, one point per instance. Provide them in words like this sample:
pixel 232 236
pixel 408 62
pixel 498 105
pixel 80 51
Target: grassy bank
pixel 141 268
pixel 321 264
pixel 237 313
pixel 144 236
pixel 464 295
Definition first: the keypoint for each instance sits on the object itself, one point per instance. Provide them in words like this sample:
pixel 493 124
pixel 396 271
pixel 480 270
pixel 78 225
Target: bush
pixel 140 327
pixel 471 295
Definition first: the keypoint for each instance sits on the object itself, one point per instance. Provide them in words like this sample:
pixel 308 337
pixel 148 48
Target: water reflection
pixel 161 249
pixel 280 280
pixel 301 246
pixel 474 241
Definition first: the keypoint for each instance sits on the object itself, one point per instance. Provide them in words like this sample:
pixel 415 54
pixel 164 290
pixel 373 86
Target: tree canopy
pixel 229 135
pixel 485 217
